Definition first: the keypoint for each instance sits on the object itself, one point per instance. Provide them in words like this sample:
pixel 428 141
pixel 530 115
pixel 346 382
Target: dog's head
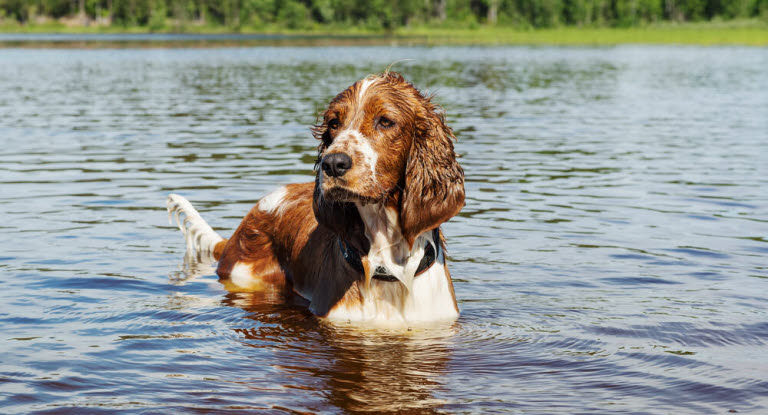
pixel 381 140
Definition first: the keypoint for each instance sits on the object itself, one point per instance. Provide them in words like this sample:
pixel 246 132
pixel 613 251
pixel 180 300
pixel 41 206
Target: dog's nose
pixel 336 164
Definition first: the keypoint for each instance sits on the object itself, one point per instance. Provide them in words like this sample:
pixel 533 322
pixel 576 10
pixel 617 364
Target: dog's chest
pixel 431 299
pixel 407 297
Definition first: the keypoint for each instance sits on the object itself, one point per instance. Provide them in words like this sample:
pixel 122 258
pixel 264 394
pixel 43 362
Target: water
pixel 611 257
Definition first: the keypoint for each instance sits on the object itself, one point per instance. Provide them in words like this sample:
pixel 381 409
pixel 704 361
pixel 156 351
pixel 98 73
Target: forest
pixel 377 15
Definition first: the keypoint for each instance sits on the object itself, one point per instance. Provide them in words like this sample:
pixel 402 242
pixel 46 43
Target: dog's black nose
pixel 336 164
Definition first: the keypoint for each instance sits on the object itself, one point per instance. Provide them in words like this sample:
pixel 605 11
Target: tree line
pixel 377 14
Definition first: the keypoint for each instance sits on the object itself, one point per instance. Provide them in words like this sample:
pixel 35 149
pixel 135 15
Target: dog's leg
pixel 201 238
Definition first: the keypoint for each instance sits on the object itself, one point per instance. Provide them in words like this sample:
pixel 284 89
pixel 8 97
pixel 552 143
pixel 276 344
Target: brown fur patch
pixel 416 172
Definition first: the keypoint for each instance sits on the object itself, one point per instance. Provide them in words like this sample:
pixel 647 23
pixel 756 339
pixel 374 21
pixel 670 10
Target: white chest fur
pixel 430 299
pixel 426 298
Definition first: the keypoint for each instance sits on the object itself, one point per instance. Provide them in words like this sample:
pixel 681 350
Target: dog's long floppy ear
pixel 434 180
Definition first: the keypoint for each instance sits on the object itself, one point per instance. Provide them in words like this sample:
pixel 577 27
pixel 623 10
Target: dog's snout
pixel 336 164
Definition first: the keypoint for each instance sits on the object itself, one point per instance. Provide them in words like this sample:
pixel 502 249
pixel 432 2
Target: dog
pixel 362 243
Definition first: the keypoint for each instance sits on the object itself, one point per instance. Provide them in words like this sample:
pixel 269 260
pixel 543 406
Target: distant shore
pixel 749 32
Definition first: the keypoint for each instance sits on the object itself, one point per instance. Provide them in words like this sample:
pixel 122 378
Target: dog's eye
pixel 334 124
pixel 385 122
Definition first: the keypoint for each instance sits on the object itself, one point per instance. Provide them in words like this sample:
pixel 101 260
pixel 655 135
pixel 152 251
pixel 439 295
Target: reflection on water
pixel 356 369
pixel 611 256
pixel 377 369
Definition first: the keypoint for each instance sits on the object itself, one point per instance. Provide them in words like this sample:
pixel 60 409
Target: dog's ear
pixel 434 180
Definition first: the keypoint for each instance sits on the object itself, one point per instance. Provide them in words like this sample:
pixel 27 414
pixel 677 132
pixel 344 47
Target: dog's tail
pixel 200 237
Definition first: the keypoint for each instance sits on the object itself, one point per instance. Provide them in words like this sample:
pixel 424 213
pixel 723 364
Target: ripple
pixel 610 258
pixel 691 335
pixel 637 281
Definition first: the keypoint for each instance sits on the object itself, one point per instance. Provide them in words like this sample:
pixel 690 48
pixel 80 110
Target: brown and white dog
pixel 362 242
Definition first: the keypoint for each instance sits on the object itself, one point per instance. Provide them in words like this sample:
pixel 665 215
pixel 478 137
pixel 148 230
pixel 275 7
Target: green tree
pixel 384 14
pixel 293 14
pixel 157 15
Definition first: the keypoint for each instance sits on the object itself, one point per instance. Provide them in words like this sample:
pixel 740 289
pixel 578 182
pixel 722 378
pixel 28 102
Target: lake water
pixel 611 257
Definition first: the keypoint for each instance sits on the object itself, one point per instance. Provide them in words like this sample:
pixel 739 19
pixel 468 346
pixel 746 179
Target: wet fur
pixel 404 182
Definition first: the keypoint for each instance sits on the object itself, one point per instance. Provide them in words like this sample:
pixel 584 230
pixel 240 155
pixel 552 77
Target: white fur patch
pixel 388 304
pixel 355 141
pixel 274 202
pixel 242 279
pixel 432 297
pixel 370 155
pixel 200 237
pixel 241 275
pixel 364 86
pixel 388 246
pixel 426 298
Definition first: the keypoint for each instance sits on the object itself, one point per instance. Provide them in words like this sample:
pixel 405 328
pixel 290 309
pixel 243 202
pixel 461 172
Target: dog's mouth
pixel 343 194
pixel 336 192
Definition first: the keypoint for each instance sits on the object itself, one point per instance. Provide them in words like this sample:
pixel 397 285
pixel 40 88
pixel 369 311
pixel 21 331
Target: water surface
pixel 611 257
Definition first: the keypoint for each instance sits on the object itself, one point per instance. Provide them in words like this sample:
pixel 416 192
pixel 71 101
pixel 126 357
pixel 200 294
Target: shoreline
pixel 749 33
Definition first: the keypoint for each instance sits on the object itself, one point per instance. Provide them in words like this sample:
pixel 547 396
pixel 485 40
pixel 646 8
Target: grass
pixel 688 34
pixel 746 32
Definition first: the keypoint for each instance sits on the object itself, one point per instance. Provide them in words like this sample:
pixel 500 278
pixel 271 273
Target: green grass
pixel 747 32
